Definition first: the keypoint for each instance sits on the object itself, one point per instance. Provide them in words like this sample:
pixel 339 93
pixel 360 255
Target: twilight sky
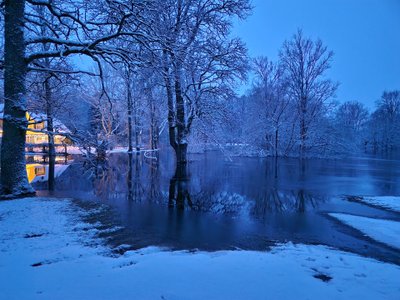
pixel 363 34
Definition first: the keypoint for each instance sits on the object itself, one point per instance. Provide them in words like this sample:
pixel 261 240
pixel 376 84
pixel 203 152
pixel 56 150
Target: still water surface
pixel 246 203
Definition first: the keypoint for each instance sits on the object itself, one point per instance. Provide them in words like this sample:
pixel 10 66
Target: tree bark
pixel 14 180
pixel 129 104
pixel 170 103
pixel 181 149
pixel 137 135
pixel 137 126
pixel 130 176
pixel 153 126
pixel 179 188
pixel 50 130
pixel 49 109
pixel 303 126
pixel 176 114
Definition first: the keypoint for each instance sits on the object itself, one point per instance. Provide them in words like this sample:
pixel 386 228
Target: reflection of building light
pixel 33 170
pixel 40 172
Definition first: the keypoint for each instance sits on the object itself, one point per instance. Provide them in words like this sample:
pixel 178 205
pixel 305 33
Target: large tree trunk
pixel 136 123
pixel 170 104
pixel 179 195
pixel 176 115
pixel 154 136
pixel 50 130
pixel 171 115
pixel 130 176
pixel 181 153
pixel 49 109
pixel 14 180
pixel 138 135
pixel 154 132
pixel 129 104
pixel 181 149
pixel 303 127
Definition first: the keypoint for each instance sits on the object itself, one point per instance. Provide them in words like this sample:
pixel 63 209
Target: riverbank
pixel 48 252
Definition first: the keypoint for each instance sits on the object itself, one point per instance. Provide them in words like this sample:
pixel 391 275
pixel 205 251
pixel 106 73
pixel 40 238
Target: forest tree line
pixel 271 119
pixel 165 73
pixel 291 109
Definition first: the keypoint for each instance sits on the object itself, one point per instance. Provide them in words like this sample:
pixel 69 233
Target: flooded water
pixel 246 203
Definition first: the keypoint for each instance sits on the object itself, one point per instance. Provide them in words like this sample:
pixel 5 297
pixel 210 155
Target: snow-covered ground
pixel 75 150
pixel 384 231
pixel 388 202
pixel 47 252
pixel 118 150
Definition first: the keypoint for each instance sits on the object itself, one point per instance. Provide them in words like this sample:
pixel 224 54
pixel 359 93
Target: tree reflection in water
pixel 135 188
pixel 147 188
pixel 138 179
pixel 212 204
pixel 278 201
pixel 220 194
pixel 179 188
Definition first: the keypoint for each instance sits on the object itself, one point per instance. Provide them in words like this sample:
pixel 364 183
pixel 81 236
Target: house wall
pixel 34 137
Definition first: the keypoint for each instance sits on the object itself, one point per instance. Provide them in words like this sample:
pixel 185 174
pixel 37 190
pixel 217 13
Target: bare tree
pixel 385 122
pixel 195 31
pixel 351 120
pixel 271 91
pixel 306 62
pixel 76 27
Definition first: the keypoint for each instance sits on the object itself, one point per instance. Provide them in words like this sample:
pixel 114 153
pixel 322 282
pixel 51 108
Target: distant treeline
pixel 291 111
pixel 269 125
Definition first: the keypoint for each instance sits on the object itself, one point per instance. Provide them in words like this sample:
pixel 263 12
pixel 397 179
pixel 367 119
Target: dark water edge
pixel 246 203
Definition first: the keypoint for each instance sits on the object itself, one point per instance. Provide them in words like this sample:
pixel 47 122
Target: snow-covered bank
pixel 387 202
pixel 46 252
pixel 118 150
pixel 384 231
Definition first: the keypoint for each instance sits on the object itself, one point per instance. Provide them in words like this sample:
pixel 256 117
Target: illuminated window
pixel 39 171
pixel 39 125
pixel 30 139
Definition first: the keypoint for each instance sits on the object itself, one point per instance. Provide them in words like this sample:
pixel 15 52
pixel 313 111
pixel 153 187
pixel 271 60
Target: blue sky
pixel 363 34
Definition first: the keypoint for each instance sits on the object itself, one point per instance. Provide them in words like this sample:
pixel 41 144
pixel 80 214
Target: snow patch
pixel 388 202
pixel 384 231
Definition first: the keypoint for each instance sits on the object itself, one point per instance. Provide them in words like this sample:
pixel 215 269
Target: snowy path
pixel 43 256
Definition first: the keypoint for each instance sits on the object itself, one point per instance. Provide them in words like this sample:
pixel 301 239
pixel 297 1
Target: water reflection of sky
pixel 246 203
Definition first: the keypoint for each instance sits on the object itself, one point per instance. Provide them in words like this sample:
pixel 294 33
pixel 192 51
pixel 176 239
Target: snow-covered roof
pixel 57 124
pixel 38 117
